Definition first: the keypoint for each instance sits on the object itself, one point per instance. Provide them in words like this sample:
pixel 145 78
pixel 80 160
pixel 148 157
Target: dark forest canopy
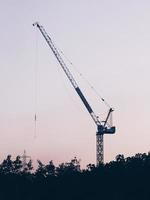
pixel 122 179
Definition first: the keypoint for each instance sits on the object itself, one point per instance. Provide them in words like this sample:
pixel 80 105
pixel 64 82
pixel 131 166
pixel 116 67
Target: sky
pixel 108 42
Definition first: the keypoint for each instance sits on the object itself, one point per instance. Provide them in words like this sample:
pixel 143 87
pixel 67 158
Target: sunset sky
pixel 109 43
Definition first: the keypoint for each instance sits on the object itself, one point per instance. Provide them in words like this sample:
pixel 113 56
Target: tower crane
pixel 102 126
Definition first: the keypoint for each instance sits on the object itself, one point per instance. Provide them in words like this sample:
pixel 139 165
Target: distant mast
pixel 24 160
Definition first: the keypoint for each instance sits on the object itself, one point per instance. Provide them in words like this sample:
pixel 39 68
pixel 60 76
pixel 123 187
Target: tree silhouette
pixel 124 178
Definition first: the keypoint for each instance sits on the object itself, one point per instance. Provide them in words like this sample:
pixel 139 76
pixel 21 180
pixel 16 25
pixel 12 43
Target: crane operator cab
pixel 105 130
pixel 104 127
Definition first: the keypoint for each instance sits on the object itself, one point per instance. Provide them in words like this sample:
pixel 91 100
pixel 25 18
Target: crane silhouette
pixel 102 126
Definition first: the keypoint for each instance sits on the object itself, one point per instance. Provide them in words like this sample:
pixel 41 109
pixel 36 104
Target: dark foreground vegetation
pixel 122 179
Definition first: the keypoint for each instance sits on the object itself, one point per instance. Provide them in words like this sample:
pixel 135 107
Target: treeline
pixel 122 179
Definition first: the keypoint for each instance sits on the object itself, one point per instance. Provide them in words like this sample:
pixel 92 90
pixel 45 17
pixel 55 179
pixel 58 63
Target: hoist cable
pixel 35 84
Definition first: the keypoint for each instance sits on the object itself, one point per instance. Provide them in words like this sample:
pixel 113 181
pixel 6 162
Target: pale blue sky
pixel 109 42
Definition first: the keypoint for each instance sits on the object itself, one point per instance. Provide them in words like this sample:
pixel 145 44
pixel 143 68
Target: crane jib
pixel 67 72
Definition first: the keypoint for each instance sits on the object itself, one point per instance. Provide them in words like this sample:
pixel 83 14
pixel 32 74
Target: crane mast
pixel 101 128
